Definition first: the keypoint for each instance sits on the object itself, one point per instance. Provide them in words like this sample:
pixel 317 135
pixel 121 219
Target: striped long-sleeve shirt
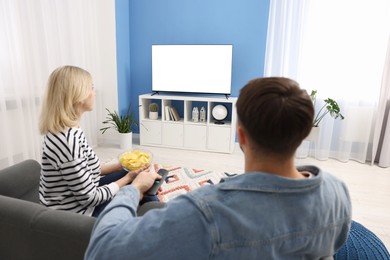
pixel 70 174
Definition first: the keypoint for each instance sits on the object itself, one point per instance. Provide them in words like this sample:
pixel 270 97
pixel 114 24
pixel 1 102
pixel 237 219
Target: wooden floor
pixel 369 186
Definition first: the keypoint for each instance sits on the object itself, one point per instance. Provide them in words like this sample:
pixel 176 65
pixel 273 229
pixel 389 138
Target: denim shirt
pixel 250 216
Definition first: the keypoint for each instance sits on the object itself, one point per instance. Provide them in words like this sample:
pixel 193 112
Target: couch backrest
pixel 21 181
pixel 32 231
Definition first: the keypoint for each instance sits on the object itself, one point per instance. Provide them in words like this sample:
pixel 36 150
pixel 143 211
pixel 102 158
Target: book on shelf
pixel 167 113
pixel 171 114
pixel 175 114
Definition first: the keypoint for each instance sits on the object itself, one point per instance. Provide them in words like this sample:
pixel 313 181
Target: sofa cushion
pixel 21 181
pixel 32 231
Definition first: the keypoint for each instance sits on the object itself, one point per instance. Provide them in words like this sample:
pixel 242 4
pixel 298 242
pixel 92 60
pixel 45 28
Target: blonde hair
pixel 67 88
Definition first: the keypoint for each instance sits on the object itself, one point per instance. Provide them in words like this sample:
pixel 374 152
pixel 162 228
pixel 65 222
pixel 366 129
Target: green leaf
pixel 330 107
pixel 121 123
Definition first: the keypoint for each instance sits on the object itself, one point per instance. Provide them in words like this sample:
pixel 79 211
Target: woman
pixel 71 171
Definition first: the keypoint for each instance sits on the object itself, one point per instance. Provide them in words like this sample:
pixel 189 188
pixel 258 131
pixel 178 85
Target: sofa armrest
pixel 21 181
pixel 32 231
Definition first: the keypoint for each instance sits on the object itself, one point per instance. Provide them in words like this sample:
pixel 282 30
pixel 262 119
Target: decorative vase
pixel 202 115
pixel 126 141
pixel 314 134
pixel 195 114
pixel 153 115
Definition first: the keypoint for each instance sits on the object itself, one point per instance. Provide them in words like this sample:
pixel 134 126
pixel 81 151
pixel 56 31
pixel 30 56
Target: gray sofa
pixel 29 230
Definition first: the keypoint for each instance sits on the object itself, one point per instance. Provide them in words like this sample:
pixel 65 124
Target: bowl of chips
pixel 134 159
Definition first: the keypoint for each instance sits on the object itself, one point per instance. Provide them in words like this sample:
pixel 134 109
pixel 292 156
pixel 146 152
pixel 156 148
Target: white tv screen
pixel 192 68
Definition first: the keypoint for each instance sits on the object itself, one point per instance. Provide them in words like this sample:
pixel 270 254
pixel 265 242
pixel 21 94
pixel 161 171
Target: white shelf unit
pixel 186 134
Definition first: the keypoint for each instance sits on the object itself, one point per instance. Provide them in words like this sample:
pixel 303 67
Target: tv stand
pixel 154 93
pixel 207 135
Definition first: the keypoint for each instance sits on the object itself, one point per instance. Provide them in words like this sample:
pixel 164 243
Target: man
pixel 273 211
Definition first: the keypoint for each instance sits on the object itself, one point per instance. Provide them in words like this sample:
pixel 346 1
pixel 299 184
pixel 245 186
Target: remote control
pixel 157 183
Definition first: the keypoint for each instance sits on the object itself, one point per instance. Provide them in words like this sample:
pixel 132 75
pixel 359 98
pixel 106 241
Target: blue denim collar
pixel 266 182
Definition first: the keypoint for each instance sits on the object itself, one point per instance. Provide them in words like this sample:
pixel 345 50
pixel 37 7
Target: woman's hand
pixel 133 174
pixel 129 177
pixel 143 168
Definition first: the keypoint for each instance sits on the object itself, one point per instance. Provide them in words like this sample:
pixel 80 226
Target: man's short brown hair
pixel 275 113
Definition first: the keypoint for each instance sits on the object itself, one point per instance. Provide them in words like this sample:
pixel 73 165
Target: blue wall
pixel 122 11
pixel 242 23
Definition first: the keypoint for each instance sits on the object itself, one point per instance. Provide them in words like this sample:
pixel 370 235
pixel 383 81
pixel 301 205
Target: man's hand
pixel 144 181
pixel 133 174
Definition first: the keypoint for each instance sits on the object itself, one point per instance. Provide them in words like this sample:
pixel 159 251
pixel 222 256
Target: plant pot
pixel 126 141
pixel 314 134
pixel 153 115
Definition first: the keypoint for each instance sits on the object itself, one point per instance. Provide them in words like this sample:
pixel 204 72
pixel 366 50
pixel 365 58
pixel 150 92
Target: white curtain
pixel 37 37
pixel 342 47
pixel 285 28
pixel 381 143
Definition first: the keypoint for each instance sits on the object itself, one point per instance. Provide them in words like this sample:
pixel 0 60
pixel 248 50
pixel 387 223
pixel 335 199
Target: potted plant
pixel 330 107
pixel 123 125
pixel 153 111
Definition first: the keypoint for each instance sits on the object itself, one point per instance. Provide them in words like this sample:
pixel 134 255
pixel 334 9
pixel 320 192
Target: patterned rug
pixel 181 180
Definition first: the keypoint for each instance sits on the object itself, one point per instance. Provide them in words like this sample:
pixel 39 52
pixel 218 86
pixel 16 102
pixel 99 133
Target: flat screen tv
pixel 192 68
